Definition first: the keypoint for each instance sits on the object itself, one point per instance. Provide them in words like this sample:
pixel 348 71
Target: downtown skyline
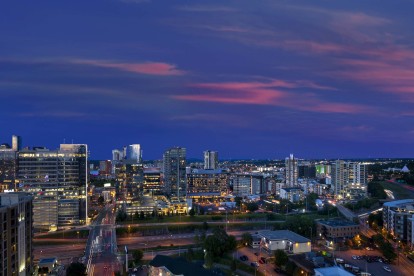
pixel 248 79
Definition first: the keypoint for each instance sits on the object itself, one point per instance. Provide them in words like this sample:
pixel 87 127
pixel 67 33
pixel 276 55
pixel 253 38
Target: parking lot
pixel 374 267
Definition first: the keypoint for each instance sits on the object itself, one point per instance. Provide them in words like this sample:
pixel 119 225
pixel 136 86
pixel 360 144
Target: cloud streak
pixel 271 93
pixel 146 68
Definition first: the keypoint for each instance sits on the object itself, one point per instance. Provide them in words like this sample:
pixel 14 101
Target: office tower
pixel 307 171
pixel 117 155
pixel 204 182
pixel 247 184
pixel 210 160
pixel 134 153
pixel 129 177
pixel 58 181
pixel 16 255
pixel 16 143
pixel 7 169
pixel 291 171
pixel 152 181
pixel 174 170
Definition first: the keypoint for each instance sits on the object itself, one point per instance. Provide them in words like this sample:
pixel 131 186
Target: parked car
pixel 339 260
pixel 243 258
pixel 254 264
pixel 386 268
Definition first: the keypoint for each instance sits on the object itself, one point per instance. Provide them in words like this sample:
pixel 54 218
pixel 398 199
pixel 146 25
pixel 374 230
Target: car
pixel 263 259
pixel 339 260
pixel 254 264
pixel 354 257
pixel 386 268
pixel 369 248
pixel 243 258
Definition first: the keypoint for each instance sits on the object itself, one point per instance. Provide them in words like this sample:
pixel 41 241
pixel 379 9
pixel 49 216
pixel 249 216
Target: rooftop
pixel 179 266
pixel 399 203
pixel 283 235
pixel 292 189
pixel 332 271
pixel 337 222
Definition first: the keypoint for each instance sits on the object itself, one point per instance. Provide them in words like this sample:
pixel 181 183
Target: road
pixel 101 248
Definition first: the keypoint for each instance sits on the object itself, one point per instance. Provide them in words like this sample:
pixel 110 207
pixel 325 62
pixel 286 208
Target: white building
pixel 285 240
pixel 293 194
pixel 291 171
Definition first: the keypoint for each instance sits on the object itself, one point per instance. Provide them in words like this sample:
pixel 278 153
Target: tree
pixel 137 255
pixel 290 267
pixel 252 206
pixel 388 251
pixel 101 200
pixel 281 258
pixel 246 238
pixel 142 215
pixel 76 269
pixel 121 215
pixel 219 243
pixel 205 226
pixel 192 212
pixel 190 254
pixel 233 265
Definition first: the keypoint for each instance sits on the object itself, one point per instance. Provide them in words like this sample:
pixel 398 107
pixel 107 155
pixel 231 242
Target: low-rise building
pixel 167 266
pixel 285 240
pixel 337 229
pixel 332 271
pixel 293 194
pixel 398 219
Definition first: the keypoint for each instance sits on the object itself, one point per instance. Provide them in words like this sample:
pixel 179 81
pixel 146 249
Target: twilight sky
pixel 251 79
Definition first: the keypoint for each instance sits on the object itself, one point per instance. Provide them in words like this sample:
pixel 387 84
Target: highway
pixel 101 248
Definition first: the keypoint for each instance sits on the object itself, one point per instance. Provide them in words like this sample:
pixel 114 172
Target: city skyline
pixel 246 79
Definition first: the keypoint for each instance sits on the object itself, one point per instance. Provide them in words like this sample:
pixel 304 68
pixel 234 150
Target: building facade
pixel 284 240
pixel 248 184
pixel 291 171
pixel 58 181
pixel 398 217
pixel 207 181
pixel 210 160
pixel 335 229
pixel 349 179
pixel 174 171
pixel 16 221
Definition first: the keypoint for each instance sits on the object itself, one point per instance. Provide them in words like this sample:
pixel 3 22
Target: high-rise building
pixel 16 143
pixel 398 217
pixel 58 181
pixel 349 179
pixel 174 170
pixel 207 181
pixel 117 155
pixel 152 181
pixel 339 176
pixel 134 153
pixel 210 160
pixel 291 171
pixel 16 252
pixel 248 184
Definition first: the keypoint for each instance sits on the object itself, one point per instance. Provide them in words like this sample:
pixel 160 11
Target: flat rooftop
pixel 332 271
pixel 337 222
pixel 283 235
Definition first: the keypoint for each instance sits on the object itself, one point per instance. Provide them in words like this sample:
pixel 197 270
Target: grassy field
pixel 399 192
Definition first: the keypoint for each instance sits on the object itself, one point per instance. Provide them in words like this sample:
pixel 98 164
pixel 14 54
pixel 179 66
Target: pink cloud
pixel 147 68
pixel 268 93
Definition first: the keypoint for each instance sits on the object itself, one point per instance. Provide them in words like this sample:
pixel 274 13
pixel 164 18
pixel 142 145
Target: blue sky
pixel 251 79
